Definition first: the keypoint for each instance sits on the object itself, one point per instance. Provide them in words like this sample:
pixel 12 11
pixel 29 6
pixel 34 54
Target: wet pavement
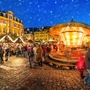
pixel 15 74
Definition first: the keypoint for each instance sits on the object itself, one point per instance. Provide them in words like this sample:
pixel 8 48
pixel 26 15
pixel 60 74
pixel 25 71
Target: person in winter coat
pixel 31 57
pixel 24 50
pixel 1 55
pixel 35 53
pixel 28 50
pixel 39 52
pixel 44 53
pixel 81 66
pixel 7 53
pixel 87 60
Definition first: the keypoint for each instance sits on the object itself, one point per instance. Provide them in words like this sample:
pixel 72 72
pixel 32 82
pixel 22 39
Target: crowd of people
pixel 36 54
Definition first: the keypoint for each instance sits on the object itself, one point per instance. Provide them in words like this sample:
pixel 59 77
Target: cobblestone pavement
pixel 15 74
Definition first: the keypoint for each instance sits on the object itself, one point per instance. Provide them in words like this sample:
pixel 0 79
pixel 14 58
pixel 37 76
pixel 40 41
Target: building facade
pixel 42 35
pixel 10 24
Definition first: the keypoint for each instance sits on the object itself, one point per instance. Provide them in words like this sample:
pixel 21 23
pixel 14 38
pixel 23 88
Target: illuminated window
pixel 15 18
pixel 4 30
pixel 14 25
pixel 4 22
pixel 10 17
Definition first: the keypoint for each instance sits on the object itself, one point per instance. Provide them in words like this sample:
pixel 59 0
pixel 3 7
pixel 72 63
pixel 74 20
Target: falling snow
pixel 36 13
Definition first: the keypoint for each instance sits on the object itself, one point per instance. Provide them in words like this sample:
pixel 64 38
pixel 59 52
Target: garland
pixel 11 39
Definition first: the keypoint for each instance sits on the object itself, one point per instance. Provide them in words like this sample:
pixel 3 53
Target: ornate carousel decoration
pixel 72 37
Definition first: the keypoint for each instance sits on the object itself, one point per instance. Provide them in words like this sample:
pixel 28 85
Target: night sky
pixel 38 13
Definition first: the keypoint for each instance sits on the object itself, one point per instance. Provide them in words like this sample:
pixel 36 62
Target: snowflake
pixel 30 17
pixel 38 6
pixel 20 4
pixel 88 14
pixel 10 6
pixel 30 2
pixel 72 0
pixel 62 18
pixel 45 11
pixel 37 15
pixel 51 22
pixel 50 11
pixel 75 5
pixel 55 2
pixel 39 19
pixel 66 12
pixel 55 16
pixel 27 10
pixel 36 2
pixel 61 6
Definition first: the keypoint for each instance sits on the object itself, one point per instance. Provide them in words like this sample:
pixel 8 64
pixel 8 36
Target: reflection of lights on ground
pixel 12 63
pixel 17 62
pixel 7 67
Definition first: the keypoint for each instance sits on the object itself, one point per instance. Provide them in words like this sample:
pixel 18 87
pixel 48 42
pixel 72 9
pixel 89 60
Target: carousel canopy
pixel 55 30
pixel 72 33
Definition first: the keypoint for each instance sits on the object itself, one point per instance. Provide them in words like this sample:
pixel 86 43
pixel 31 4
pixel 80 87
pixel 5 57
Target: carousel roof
pixel 56 29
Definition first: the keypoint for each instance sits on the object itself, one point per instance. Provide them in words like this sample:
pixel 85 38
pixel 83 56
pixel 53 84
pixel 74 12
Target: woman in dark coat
pixel 7 53
pixel 31 57
pixel 1 55
pixel 87 60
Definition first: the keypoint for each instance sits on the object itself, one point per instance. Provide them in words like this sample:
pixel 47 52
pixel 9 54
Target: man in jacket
pixel 1 55
pixel 87 59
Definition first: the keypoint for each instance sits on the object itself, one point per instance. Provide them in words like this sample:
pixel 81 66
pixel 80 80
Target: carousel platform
pixel 60 60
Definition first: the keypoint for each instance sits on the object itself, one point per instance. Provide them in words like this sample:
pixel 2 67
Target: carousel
pixel 73 39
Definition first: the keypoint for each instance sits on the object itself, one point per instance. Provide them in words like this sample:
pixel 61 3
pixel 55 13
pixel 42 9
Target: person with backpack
pixel 31 57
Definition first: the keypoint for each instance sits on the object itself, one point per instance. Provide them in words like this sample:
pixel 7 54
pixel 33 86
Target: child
pixel 81 65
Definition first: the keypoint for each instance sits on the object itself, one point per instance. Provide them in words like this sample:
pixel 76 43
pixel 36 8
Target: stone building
pixel 10 24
